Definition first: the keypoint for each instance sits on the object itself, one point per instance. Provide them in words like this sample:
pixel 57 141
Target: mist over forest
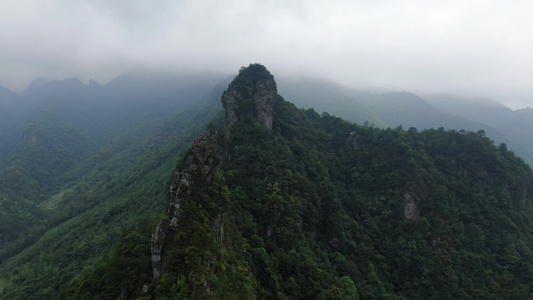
pixel 327 180
pixel 266 150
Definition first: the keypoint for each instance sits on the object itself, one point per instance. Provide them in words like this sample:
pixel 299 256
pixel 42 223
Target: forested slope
pixel 314 207
pixel 515 125
pixel 392 109
pixel 276 202
pixel 62 211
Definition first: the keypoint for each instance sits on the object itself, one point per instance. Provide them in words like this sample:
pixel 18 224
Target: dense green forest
pixel 393 109
pixel 71 190
pixel 320 208
pixel 313 207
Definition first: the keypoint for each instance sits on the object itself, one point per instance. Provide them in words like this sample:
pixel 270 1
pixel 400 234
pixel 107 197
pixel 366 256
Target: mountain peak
pixel 5 92
pixel 41 85
pixel 36 84
pixel 93 83
pixel 252 92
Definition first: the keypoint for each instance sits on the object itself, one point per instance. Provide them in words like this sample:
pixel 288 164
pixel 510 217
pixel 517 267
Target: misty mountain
pixel 383 110
pixel 516 126
pixel 82 170
pixel 9 113
pixel 276 202
pixel 104 111
pixel 82 165
pixel 68 120
pixel 71 120
pixel 9 107
pixel 58 132
pixel 404 109
pixel 330 97
pixel 7 97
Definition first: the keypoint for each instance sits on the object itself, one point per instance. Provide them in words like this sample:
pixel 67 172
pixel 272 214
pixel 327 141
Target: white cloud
pixel 477 48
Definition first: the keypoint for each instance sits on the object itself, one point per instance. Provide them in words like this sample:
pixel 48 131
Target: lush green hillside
pixel 320 208
pixel 67 199
pixel 516 126
pixel 404 109
pixel 54 130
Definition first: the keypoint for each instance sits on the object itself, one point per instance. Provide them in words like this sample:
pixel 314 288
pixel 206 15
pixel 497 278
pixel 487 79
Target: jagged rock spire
pixel 254 92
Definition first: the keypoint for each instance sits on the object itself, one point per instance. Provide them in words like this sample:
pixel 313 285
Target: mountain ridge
pixel 314 207
pixel 262 208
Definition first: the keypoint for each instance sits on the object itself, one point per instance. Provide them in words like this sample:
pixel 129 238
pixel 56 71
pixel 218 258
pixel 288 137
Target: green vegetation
pixel 90 218
pixel 59 225
pixel 317 207
pixel 314 208
pixel 325 209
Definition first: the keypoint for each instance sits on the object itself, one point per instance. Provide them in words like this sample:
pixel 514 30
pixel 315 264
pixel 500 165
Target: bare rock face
pixel 253 92
pixel 200 168
pixel 415 192
pixel 410 207
pixel 352 140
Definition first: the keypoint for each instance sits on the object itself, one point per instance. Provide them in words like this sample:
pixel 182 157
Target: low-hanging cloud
pixel 473 48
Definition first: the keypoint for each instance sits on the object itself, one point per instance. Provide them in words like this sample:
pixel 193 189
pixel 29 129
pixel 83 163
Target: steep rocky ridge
pixel 252 93
pixel 200 168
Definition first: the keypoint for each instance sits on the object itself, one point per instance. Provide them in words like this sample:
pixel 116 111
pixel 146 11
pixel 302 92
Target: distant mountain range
pixel 393 109
pixel 155 91
pixel 503 125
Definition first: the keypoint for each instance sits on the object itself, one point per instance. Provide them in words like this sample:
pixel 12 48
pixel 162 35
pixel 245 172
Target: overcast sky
pixel 467 48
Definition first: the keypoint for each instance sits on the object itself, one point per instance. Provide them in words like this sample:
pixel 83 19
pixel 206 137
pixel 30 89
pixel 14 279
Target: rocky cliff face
pixel 200 168
pixel 415 192
pixel 253 92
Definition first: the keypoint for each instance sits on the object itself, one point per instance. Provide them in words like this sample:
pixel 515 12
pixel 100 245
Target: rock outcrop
pixel 415 192
pixel 411 211
pixel 253 91
pixel 200 168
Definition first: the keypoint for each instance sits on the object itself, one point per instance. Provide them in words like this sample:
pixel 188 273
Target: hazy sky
pixel 468 48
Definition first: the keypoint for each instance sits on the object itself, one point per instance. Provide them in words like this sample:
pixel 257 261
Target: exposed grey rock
pixel 158 240
pixel 436 243
pixel 334 242
pixel 254 93
pixel 201 165
pixel 414 192
pixel 251 94
pixel 352 139
pixel 410 207
pixel 145 288
pixel 220 229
